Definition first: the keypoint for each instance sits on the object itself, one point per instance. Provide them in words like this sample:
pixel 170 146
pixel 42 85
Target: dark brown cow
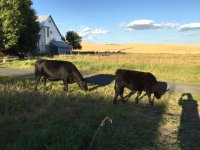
pixel 137 82
pixel 58 70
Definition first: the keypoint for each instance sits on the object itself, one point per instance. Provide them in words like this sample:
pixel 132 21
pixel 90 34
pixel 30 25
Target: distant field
pixel 143 48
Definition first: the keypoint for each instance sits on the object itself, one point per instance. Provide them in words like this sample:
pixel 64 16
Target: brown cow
pixel 136 81
pixel 55 70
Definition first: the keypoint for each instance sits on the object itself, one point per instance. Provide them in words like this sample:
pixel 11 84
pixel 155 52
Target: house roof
pixel 60 44
pixel 43 19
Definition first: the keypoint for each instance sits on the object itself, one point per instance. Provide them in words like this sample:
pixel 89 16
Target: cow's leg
pixel 121 95
pixel 37 79
pixel 65 85
pixel 115 98
pixel 44 84
pixel 151 102
pixel 117 93
pixel 137 98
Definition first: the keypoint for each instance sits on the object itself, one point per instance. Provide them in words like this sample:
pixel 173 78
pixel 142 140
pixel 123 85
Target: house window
pixel 47 32
pixel 49 21
pixel 51 32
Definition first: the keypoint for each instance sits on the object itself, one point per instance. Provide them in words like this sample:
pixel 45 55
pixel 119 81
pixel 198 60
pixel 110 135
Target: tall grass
pixel 60 120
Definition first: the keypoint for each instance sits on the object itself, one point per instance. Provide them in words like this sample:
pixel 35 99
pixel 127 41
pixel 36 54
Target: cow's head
pixel 157 91
pixel 83 84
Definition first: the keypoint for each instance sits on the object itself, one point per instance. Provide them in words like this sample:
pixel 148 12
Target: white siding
pixel 52 28
pixel 53 34
pixel 42 41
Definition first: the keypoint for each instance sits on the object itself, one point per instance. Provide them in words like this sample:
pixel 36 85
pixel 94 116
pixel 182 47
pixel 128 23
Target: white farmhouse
pixel 50 40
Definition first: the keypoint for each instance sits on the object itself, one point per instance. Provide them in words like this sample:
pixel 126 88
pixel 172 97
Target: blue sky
pixel 125 21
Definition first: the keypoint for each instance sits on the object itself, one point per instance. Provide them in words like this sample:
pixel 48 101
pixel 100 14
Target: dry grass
pixel 143 48
pixel 187 59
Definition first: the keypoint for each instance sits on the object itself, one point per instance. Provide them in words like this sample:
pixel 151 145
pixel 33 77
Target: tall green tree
pixel 29 34
pixel 11 21
pixel 73 39
pixel 19 27
pixel 1 36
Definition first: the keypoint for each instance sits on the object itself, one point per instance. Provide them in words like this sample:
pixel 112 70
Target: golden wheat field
pixel 142 48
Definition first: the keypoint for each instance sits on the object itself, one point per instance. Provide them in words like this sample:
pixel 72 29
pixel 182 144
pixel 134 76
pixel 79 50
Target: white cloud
pixel 148 24
pixel 88 33
pixel 100 31
pixel 85 38
pixel 84 31
pixel 190 26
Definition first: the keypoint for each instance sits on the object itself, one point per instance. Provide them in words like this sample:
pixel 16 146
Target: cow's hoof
pixel 65 90
pixel 136 102
pixel 123 101
pixel 114 102
pixel 152 104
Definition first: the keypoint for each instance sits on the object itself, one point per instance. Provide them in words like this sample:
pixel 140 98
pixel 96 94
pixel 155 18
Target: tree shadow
pixel 189 129
pixel 100 80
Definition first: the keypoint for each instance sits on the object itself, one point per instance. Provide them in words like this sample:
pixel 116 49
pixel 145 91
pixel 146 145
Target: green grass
pixel 60 120
pixel 164 67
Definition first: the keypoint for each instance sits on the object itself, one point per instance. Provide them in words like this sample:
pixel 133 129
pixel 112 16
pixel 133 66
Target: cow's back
pixel 134 79
pixel 55 69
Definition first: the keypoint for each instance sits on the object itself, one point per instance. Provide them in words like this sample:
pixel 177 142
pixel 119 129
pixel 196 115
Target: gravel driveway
pixel 104 79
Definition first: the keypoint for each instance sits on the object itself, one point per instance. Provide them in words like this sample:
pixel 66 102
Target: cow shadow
pixel 189 128
pixel 100 80
pixel 28 75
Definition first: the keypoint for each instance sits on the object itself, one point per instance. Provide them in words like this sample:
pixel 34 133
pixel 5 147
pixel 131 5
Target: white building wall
pixel 42 41
pixel 53 32
pixel 44 38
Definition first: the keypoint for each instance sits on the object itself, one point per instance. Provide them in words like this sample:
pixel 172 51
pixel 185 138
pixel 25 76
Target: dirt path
pixel 104 79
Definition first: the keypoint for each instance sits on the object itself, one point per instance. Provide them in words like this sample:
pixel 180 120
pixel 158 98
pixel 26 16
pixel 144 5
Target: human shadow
pixel 100 80
pixel 189 129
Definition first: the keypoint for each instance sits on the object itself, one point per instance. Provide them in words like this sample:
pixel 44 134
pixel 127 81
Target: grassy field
pixel 60 120
pixel 168 67
pixel 142 48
